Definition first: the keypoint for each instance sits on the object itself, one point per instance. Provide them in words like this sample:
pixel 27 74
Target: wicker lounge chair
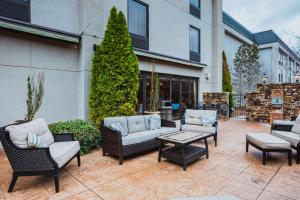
pixel 39 161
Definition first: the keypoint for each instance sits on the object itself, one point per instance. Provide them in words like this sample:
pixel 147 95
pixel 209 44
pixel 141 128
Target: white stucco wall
pixel 20 57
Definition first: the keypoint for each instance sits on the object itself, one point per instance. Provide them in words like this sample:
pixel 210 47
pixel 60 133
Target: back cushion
pixel 19 133
pixel 195 121
pixel 136 123
pixel 147 120
pixel 189 113
pixel 122 120
pixel 296 127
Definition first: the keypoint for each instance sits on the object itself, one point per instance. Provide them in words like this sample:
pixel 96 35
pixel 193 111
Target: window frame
pixel 29 14
pixel 195 56
pixel 138 41
pixel 194 10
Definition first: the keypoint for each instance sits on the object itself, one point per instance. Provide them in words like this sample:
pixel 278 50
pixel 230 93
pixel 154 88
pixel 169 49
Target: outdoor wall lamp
pixel 264 78
pixel 297 76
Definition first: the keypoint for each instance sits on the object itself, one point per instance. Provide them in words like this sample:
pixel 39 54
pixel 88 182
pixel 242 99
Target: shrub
pixel 114 73
pixel 87 134
pixel 227 85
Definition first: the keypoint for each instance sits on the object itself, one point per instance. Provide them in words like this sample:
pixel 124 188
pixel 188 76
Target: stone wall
pixel 214 98
pixel 259 104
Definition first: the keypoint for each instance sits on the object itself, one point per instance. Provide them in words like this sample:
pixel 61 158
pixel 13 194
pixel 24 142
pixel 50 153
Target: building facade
pixel 279 62
pixel 182 39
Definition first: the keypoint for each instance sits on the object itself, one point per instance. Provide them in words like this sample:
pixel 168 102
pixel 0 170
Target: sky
pixel 282 16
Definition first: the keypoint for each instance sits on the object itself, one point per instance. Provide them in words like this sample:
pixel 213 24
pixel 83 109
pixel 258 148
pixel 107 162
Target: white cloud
pixel 282 16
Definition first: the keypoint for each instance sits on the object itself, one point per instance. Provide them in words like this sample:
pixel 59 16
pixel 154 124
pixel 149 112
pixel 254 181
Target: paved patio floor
pixel 228 171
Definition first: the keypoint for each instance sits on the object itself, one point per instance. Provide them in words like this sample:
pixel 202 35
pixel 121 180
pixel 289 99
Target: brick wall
pixel 259 105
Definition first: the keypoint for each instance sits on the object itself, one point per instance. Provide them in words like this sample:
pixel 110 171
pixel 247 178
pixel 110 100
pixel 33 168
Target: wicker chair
pixel 33 161
pixel 111 143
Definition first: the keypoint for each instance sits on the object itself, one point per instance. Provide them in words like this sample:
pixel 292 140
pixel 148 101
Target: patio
pixel 228 171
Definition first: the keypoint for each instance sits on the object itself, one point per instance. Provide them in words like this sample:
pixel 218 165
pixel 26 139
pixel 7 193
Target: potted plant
pixel 153 93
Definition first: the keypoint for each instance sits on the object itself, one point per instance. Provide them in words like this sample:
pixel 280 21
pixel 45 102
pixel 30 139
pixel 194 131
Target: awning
pixel 32 29
pixel 153 55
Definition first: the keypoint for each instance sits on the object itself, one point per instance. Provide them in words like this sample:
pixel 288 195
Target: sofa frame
pixel 33 161
pixel 111 142
pixel 281 127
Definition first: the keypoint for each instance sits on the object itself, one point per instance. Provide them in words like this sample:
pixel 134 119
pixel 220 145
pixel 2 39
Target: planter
pixel 152 113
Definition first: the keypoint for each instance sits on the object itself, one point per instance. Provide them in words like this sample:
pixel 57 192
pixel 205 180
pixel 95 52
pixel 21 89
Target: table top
pixel 184 137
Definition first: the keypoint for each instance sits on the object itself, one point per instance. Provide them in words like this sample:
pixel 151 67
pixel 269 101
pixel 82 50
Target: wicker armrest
pixel 166 123
pixel 282 127
pixel 110 136
pixel 63 137
pixel 31 160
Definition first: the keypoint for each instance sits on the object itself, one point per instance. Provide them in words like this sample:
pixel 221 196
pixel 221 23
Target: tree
pixel 114 73
pixel 247 68
pixel 154 91
pixel 35 93
pixel 227 85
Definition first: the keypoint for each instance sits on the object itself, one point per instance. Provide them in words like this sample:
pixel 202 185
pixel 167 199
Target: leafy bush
pixel 87 134
pixel 115 72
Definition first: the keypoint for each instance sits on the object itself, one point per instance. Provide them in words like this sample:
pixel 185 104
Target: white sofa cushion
pixel 283 122
pixel 136 123
pixel 296 127
pixel 267 141
pixel 155 122
pixel 19 133
pixel 62 152
pixel 147 120
pixel 166 130
pixel 122 120
pixel 195 121
pixel 141 136
pixel 201 129
pixel 118 127
pixel 293 138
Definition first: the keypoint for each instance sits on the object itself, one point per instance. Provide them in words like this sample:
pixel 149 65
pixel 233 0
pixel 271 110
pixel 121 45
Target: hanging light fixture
pixel 264 78
pixel 297 76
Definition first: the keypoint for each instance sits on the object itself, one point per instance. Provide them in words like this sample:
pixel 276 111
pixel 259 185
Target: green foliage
pixel 35 93
pixel 87 134
pixel 227 84
pixel 154 91
pixel 247 67
pixel 115 72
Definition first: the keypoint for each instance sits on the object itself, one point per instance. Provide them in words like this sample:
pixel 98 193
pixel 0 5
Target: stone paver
pixel 228 171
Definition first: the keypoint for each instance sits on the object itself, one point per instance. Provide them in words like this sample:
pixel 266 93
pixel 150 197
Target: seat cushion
pixel 201 129
pixel 141 136
pixel 296 127
pixel 136 124
pixel 122 120
pixel 167 130
pixel 267 141
pixel 283 122
pixel 19 133
pixel 62 152
pixel 292 138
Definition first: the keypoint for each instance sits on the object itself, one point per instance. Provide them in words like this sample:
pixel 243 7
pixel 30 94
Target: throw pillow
pixel 118 127
pixel 193 121
pixel 155 122
pixel 208 120
pixel 36 141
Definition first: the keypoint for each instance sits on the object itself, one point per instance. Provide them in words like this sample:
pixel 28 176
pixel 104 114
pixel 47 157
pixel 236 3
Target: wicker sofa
pixel 193 120
pixel 34 161
pixel 139 139
pixel 288 131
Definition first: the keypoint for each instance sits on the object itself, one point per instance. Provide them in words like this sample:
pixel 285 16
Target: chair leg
pixel 216 139
pixel 247 146
pixel 78 159
pixel 290 157
pixel 264 157
pixel 12 183
pixel 56 182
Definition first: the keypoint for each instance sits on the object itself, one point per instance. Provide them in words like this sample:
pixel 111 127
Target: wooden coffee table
pixel 182 152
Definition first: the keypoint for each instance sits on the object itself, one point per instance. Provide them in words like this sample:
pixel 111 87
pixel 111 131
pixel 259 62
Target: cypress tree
pixel 114 73
pixel 227 86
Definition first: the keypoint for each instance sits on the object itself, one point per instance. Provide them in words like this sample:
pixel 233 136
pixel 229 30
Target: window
pixel 15 9
pixel 280 75
pixel 138 23
pixel 195 8
pixel 194 44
